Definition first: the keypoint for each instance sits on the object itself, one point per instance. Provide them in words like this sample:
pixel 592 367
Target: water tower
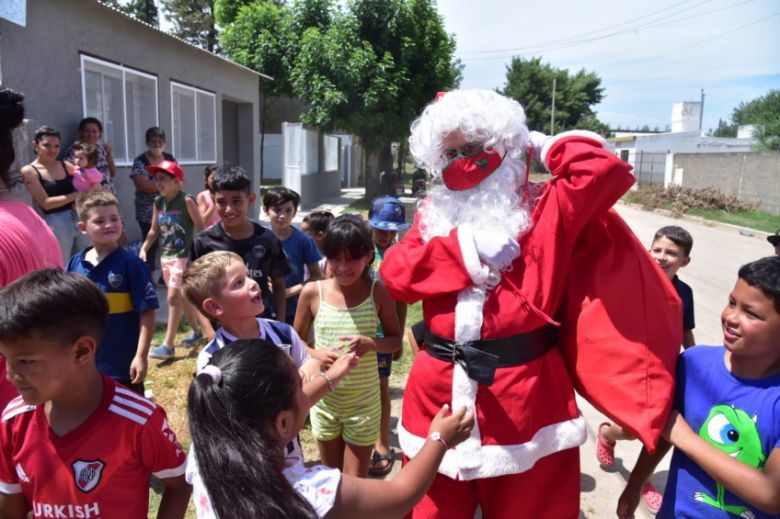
pixel 686 116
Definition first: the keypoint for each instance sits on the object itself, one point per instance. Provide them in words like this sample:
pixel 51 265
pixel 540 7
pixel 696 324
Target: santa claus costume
pixel 491 258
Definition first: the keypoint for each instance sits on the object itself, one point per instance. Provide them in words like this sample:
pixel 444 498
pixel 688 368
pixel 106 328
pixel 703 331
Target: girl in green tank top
pixel 344 311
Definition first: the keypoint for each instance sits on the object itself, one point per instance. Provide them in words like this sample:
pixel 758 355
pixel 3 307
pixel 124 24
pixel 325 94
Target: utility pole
pixel 552 114
pixel 701 110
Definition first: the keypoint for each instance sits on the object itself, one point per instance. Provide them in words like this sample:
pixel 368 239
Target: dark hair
pixel 764 274
pixel 281 195
pixel 11 116
pixel 231 178
pixel 239 458
pixel 350 233
pixel 90 151
pixel 154 131
pixel 208 170
pixel 90 120
pixel 53 304
pixel 677 235
pixel 45 131
pixel 319 220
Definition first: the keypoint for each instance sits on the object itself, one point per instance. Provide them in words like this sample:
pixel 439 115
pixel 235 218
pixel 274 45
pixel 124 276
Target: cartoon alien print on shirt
pixel 733 431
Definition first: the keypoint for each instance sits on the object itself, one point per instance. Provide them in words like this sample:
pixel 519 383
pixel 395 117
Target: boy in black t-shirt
pixel 258 246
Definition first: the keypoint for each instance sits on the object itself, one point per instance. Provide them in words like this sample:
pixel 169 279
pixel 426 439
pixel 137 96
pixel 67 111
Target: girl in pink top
pixel 86 176
pixel 205 199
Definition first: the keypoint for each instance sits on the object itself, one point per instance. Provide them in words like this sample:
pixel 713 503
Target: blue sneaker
pixel 163 351
pixel 192 338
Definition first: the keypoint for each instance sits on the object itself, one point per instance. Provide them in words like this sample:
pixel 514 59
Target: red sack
pixel 622 329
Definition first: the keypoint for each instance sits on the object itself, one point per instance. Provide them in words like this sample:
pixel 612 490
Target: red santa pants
pixel 550 489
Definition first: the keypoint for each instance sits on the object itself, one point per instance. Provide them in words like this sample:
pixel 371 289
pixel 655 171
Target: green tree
pixel 725 129
pixel 764 112
pixel 193 21
pixel 144 10
pixel 225 11
pixel 372 70
pixel 530 82
pixel 260 36
pixel 368 68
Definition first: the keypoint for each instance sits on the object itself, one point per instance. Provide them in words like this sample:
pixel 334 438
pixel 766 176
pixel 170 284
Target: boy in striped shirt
pixel 76 443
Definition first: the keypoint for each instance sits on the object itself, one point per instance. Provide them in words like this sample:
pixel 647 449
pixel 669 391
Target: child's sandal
pixel 652 498
pixel 605 451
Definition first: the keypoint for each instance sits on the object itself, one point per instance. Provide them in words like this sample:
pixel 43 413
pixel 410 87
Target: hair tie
pixel 213 371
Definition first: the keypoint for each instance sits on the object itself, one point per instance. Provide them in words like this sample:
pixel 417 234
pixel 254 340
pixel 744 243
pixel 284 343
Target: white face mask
pixel 156 151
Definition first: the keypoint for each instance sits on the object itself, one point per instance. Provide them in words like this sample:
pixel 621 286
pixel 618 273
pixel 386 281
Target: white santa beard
pixel 494 204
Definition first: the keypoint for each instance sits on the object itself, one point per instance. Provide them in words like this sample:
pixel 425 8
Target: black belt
pixel 481 358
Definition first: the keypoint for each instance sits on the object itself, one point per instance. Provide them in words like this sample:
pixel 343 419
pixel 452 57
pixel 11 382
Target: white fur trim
pixel 464 393
pixel 595 137
pixel 500 460
pixel 475 268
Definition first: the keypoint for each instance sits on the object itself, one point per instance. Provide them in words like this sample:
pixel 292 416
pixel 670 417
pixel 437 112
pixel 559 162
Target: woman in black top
pixel 146 189
pixel 50 184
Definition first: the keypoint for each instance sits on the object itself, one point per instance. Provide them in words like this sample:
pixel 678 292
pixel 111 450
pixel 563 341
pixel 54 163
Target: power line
pixel 584 36
pixel 696 44
pixel 565 43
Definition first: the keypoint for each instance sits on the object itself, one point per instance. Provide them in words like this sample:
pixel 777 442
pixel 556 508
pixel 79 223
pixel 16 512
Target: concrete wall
pixel 753 177
pixel 273 148
pixel 316 187
pixel 43 61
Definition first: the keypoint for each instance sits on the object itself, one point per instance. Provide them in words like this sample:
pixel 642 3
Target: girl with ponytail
pixel 246 406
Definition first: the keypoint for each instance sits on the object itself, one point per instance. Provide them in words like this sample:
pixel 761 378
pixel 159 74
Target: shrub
pixel 681 200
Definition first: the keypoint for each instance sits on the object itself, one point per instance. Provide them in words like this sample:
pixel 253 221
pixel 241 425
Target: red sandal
pixel 605 451
pixel 652 498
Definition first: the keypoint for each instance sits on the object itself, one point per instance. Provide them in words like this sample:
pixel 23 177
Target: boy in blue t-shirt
pixel 725 425
pixel 280 206
pixel 126 282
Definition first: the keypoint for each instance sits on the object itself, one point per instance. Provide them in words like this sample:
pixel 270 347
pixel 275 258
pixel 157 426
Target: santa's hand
pixel 496 248
pixel 537 141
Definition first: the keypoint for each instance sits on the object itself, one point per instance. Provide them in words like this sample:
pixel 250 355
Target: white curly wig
pixel 481 116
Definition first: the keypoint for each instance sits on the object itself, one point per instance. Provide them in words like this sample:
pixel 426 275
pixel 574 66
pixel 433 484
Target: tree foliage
pixel 144 10
pixel 764 112
pixel 530 82
pixel 193 21
pixel 367 68
pixel 260 37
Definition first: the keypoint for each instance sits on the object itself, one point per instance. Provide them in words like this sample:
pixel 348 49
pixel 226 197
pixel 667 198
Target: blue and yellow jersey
pixel 127 284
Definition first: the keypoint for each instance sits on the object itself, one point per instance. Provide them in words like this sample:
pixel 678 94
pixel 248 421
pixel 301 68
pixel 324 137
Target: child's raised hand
pixel 342 366
pixel 358 344
pixel 453 428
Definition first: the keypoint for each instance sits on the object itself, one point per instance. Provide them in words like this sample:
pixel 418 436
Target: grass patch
pixel 757 220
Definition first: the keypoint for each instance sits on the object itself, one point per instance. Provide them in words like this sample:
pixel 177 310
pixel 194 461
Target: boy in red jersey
pixel 75 443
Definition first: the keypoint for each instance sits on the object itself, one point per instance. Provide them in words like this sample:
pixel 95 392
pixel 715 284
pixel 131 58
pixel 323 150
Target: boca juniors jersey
pixel 101 469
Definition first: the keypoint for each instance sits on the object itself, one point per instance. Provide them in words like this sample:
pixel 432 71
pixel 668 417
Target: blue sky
pixel 649 55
